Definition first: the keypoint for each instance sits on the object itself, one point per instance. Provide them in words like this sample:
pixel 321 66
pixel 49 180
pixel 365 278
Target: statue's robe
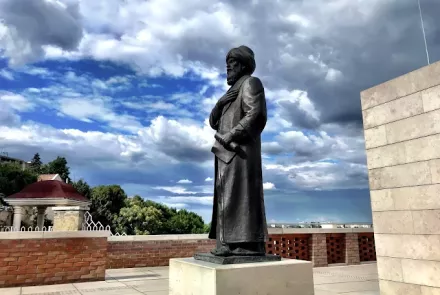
pixel 239 212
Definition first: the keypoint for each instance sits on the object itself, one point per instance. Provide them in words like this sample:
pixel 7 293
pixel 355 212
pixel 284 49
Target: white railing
pixel 23 228
pixel 90 225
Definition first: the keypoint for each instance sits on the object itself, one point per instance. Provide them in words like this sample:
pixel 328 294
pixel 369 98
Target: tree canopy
pixel 36 164
pixel 83 188
pixel 144 217
pixel 57 166
pixel 13 178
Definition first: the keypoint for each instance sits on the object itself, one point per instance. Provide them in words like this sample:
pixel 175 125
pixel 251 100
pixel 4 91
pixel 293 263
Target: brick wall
pixel 36 258
pixel 153 250
pixel 318 250
pixel 352 248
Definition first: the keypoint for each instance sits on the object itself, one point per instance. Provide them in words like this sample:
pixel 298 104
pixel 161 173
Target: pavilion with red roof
pixel 43 194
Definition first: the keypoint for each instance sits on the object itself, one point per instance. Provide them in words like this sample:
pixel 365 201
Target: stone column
pixel 18 213
pixel 402 138
pixel 68 218
pixel 40 217
pixel 352 249
pixel 318 250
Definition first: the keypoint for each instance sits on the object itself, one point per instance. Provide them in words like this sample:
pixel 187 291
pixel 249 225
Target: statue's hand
pixel 225 139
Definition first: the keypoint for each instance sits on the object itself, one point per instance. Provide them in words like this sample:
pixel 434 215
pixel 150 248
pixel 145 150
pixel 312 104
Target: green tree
pixel 136 219
pixel 83 188
pixel 13 179
pixel 207 228
pixel 36 164
pixel 141 216
pixel 106 203
pixel 186 222
pixel 57 166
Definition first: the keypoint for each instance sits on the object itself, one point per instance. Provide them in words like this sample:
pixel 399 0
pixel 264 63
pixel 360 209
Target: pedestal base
pixel 208 257
pixel 286 277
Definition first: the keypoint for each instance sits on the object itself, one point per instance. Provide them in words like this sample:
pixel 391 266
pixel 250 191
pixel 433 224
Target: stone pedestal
pixel 68 218
pixel 286 277
pixel 402 138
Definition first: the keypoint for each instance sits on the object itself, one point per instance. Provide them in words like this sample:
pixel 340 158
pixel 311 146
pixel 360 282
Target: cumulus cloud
pixel 268 186
pixel 27 26
pixel 15 101
pixel 8 75
pixel 184 181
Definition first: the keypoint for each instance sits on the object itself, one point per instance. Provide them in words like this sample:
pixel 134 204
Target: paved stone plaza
pixel 333 280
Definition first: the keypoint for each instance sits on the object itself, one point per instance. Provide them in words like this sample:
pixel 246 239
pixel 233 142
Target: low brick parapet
pixel 141 251
pixel 295 243
pixel 44 258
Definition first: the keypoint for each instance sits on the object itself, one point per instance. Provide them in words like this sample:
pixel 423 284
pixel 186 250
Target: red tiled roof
pixel 49 189
pixel 43 177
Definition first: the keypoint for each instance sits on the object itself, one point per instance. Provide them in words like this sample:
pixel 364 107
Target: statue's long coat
pixel 238 195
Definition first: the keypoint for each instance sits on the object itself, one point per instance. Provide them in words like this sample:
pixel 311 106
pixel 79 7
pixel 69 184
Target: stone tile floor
pixel 333 280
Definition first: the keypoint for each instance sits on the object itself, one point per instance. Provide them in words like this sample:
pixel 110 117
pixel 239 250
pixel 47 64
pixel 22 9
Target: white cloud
pixel 29 25
pixel 180 190
pixel 268 186
pixel 7 74
pixel 209 179
pixel 15 101
pixel 187 200
pixel 184 181
pixel 95 109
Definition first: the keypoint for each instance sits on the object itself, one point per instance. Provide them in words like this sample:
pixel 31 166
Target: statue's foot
pixel 222 251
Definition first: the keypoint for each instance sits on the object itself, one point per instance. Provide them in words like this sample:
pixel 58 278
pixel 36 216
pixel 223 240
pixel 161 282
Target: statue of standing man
pixel 239 218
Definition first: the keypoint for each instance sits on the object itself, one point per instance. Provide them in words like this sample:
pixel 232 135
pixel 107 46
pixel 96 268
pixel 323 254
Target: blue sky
pixel 123 89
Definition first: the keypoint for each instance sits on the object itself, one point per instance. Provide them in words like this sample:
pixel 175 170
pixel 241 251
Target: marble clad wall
pixel 402 138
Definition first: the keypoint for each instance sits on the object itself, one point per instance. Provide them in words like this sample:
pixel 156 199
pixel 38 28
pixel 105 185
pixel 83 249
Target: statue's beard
pixel 232 76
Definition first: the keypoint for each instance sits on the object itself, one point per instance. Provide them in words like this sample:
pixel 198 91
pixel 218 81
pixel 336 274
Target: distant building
pixel 43 177
pixel 7 159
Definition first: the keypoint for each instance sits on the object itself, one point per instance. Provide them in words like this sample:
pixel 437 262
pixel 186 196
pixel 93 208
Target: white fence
pixel 90 225
pixel 23 228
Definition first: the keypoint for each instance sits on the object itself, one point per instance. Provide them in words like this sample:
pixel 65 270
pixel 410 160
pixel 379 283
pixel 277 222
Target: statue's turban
pixel 245 55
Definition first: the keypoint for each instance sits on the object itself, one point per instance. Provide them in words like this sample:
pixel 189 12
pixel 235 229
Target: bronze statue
pixel 239 218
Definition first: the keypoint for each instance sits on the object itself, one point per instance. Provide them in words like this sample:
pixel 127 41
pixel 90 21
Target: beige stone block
pixel 426 222
pixel 426 77
pixel 430 290
pixel 431 98
pixel 393 222
pixel 192 277
pixel 389 269
pixel 397 109
pixel 67 220
pixel 400 176
pixel 389 155
pixel 398 288
pixel 421 272
pixel 413 127
pixel 435 170
pixel 422 149
pixel 408 246
pixel 386 92
pixel 381 200
pixel 375 137
pixel 416 197
pixel 407 84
